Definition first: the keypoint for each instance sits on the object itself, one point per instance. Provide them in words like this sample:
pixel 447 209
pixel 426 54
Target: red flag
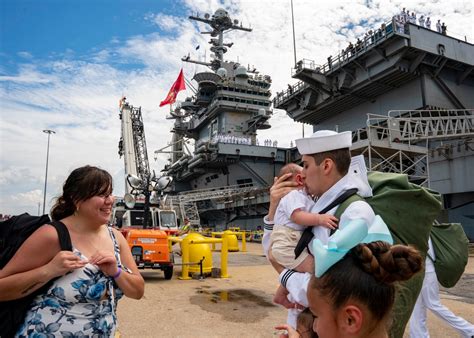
pixel 177 86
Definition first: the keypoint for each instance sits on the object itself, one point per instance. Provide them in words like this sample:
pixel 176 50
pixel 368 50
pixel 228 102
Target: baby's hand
pixel 328 221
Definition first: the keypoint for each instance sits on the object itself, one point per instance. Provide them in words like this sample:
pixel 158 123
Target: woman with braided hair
pixel 355 296
pixel 353 290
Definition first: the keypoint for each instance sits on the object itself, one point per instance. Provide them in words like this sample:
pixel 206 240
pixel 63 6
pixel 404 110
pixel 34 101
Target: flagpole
pixel 293 25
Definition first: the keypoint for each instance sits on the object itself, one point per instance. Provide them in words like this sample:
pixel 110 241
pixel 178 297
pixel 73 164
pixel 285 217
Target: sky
pixel 64 65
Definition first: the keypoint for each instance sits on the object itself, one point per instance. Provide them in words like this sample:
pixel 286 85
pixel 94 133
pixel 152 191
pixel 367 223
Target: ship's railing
pixel 291 90
pixel 352 51
pixel 345 56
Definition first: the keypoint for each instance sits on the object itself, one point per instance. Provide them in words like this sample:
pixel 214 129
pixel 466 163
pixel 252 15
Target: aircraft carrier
pixel 406 94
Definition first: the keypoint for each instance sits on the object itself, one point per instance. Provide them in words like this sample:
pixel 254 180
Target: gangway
pixel 422 125
pixel 221 196
pixel 400 141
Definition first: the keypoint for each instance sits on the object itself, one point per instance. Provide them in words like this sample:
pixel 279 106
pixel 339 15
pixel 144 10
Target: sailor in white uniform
pixel 428 23
pixel 429 299
pixel 438 26
pixel 323 141
pixel 421 21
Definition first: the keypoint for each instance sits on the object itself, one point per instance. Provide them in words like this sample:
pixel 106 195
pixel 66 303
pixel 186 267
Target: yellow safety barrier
pixel 185 247
pixel 224 234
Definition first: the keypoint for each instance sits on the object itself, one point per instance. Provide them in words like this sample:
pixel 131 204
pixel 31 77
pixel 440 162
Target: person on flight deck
pixel 421 21
pixel 428 23
pixel 438 26
pixel 403 14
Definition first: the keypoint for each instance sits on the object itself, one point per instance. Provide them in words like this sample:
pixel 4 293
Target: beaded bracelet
pixel 117 274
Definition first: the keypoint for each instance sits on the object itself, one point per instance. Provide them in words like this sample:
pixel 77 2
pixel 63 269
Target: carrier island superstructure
pixel 223 178
pixel 407 94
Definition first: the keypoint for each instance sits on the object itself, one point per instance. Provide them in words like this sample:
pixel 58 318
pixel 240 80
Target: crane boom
pixel 132 143
pixel 145 226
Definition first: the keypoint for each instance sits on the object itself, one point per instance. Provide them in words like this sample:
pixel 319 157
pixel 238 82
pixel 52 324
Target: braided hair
pixel 367 274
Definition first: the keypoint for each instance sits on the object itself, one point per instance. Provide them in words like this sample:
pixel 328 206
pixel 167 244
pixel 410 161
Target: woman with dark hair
pixel 355 295
pixel 99 270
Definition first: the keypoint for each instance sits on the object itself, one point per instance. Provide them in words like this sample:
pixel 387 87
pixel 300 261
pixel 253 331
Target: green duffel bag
pixel 450 245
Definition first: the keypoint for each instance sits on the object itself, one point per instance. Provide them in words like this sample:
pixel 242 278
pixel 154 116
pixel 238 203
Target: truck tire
pixel 168 270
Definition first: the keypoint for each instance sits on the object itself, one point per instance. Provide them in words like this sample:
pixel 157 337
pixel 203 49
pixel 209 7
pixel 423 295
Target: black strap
pixel 307 234
pixel 64 243
pixel 63 235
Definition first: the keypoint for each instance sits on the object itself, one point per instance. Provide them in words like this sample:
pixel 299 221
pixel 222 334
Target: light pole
pixel 49 132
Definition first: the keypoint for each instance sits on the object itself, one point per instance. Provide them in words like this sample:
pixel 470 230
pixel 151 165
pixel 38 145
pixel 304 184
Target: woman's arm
pixel 28 269
pixel 132 284
pixel 24 283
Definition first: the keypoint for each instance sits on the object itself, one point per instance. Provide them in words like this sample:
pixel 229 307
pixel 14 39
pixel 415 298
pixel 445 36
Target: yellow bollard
pixel 233 244
pixel 244 242
pixel 185 260
pixel 224 256
pixel 186 253
pixel 199 249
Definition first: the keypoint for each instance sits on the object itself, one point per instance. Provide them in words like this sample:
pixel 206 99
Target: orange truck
pixel 150 249
pixel 149 246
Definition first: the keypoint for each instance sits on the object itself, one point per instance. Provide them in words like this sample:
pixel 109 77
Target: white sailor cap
pixel 324 140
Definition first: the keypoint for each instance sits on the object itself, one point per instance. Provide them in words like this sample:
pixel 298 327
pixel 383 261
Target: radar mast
pixel 220 22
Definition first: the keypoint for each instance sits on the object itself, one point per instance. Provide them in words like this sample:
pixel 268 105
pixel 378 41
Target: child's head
pixel 304 324
pixel 355 296
pixel 295 170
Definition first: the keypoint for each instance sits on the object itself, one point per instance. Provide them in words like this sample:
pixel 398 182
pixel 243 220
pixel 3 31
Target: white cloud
pixel 78 97
pixel 25 55
pixel 30 201
pixel 27 74
pixel 167 23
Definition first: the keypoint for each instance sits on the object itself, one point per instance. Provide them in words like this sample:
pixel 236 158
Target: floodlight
pixel 129 201
pixel 163 182
pixel 134 181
